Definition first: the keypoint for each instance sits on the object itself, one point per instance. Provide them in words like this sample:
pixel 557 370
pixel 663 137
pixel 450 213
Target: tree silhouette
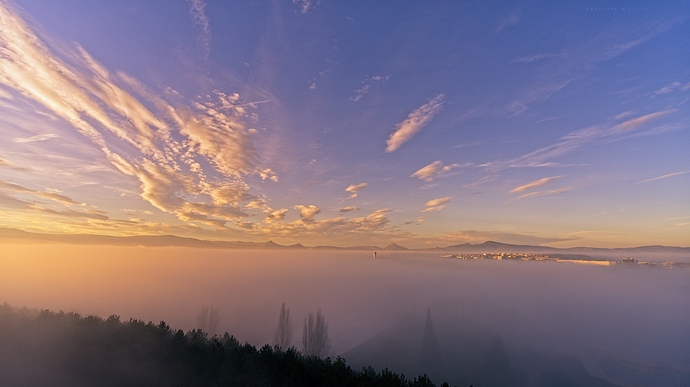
pixel 497 368
pixel 431 353
pixel 283 336
pixel 208 318
pixel 315 335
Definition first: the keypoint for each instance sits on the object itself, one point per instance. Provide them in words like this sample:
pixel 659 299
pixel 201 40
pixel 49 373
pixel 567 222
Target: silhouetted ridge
pixel 11 235
pixel 394 247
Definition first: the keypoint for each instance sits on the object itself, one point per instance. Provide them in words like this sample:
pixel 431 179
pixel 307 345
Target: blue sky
pixel 347 123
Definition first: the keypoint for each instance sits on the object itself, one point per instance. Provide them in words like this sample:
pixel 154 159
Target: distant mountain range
pixel 11 235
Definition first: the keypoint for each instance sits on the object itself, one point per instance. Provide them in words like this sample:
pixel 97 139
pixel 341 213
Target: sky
pixel 348 123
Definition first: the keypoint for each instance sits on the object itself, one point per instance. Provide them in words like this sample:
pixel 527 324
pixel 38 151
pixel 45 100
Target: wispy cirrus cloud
pixel 190 159
pixel 367 83
pixel 662 177
pixel 11 197
pixel 533 58
pixel 435 170
pixel 535 95
pixel 509 21
pixel 543 193
pixel 534 184
pixel 304 5
pixel 354 189
pixel 415 122
pixel 38 137
pixel 546 156
pixel 575 62
pixel 7 164
pixel 639 121
pixel 668 88
pixel 436 204
pixel 197 10
pixel 10 186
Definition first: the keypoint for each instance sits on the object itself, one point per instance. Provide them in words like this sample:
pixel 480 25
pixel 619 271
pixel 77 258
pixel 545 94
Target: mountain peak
pixel 394 246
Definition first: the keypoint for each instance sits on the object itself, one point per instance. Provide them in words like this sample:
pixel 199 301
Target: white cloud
pixel 38 137
pixel 534 184
pixel 307 213
pixel 276 215
pixel 434 170
pixel 415 121
pixel 348 209
pixel 436 204
pixel 355 188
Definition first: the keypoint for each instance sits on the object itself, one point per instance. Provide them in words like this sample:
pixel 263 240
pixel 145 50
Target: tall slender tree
pixel 208 318
pixel 283 336
pixel 315 335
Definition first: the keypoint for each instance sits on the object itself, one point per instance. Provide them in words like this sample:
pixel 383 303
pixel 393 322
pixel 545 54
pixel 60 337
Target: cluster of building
pixel 545 257
pixel 503 256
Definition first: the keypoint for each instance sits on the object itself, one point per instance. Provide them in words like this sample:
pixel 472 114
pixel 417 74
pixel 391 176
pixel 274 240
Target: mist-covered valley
pixel 537 322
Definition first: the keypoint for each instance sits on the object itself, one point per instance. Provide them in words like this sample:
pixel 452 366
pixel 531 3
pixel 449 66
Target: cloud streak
pixel 436 204
pixel 542 193
pixel 197 10
pixel 415 122
pixel 10 186
pixel 544 157
pixel 534 184
pixel 639 121
pixel 38 137
pixel 662 177
pixel 434 171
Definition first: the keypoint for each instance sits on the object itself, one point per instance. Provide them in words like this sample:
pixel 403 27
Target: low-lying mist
pixel 376 309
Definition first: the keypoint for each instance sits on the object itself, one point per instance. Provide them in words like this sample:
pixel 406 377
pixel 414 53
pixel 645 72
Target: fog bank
pixel 572 310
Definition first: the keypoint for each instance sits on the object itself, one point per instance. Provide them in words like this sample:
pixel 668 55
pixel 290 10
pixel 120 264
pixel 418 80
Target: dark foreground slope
pixel 66 349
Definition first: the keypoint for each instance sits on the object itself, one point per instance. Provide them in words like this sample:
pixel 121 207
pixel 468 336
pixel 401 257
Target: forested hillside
pixel 67 349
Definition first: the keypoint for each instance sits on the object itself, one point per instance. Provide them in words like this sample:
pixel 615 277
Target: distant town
pixel 582 260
